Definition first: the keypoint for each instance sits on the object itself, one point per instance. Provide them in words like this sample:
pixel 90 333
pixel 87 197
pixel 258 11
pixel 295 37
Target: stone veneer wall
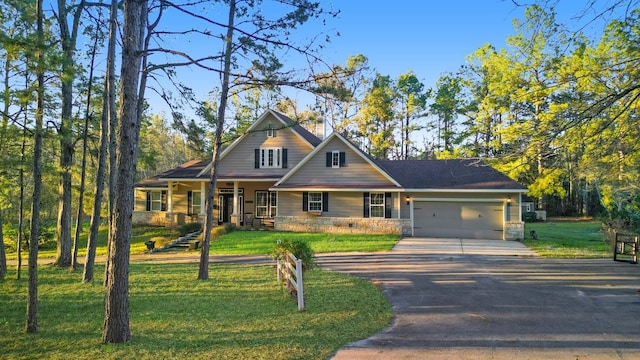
pixel 340 225
pixel 514 230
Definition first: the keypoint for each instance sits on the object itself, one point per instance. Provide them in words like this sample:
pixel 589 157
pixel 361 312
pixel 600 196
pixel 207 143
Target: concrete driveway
pixel 475 299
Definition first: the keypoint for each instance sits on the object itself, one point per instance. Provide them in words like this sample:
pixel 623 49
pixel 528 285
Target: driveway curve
pixel 475 299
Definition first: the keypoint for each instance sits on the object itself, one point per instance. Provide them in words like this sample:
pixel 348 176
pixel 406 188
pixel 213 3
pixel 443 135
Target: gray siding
pixel 356 170
pixel 341 204
pixel 240 160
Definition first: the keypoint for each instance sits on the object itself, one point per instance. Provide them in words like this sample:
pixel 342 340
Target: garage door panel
pixel 458 219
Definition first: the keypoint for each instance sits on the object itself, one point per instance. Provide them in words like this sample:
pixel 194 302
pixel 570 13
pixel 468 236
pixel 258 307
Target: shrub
pixel 189 228
pixel 530 216
pixel 299 248
pixel 161 241
pixel 229 227
pixel 218 231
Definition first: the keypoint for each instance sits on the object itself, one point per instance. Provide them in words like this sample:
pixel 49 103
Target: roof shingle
pixel 458 174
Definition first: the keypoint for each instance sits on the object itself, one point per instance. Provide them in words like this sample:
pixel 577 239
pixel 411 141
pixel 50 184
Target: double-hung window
pixel 315 201
pixel 266 204
pixel 156 201
pixel 194 202
pixel 376 205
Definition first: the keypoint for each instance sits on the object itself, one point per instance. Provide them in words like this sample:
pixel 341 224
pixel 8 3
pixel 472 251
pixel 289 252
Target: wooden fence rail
pixel 627 246
pixel 290 274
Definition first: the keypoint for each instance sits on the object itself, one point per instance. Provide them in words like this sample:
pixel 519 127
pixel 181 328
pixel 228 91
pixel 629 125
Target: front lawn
pixel 262 242
pixel 560 238
pixel 238 242
pixel 239 313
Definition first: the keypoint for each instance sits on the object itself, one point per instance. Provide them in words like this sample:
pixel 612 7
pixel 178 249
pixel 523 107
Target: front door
pixel 225 202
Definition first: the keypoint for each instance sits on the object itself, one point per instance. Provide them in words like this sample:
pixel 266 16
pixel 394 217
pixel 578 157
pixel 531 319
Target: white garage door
pixel 469 220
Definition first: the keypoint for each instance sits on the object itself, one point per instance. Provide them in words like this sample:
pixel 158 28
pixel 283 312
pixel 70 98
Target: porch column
pixel 520 207
pixel 170 202
pixel 202 200
pixel 235 217
pixel 399 204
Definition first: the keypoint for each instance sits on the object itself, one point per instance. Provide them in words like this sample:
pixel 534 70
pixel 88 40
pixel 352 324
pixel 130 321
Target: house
pixel 279 174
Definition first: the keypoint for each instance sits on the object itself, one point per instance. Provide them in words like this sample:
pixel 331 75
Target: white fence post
pixel 286 272
pixel 299 286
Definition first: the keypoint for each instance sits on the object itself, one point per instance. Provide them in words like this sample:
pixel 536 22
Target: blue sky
pixel 429 37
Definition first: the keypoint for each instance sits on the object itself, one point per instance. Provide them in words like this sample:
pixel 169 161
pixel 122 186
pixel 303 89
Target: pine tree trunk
pixel 67 141
pixel 108 109
pixel 116 321
pixel 203 272
pixel 32 297
pixel 3 255
pixel 83 169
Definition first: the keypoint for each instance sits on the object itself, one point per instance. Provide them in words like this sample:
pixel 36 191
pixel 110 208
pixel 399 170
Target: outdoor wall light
pixel 408 200
pixel 508 200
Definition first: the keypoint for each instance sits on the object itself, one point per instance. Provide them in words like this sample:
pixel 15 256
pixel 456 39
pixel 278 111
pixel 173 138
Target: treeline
pixel 555 109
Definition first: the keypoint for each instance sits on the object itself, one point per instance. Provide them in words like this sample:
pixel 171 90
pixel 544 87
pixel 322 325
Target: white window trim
pixel 372 205
pixel 277 158
pixel 271 132
pixel 335 159
pixel 315 202
pixel 270 210
pixel 195 194
pixel 157 201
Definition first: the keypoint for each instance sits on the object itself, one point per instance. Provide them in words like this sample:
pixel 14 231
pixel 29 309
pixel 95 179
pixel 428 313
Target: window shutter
pixel 284 158
pixel 163 201
pixel 305 201
pixel 342 158
pixel 325 201
pixel 189 202
pixel 256 159
pixel 366 204
pixel 387 205
pixel 148 207
pixel 329 159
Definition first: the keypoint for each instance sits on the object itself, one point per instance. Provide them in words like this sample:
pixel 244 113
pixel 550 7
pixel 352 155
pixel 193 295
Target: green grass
pixel 240 313
pixel 140 234
pixel 568 239
pixel 239 242
pixel 262 242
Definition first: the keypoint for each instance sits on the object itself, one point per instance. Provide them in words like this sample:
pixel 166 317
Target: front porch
pixel 245 204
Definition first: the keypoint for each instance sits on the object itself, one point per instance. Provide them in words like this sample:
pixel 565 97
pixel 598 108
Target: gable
pixel 274 131
pixel 352 168
pixel 269 134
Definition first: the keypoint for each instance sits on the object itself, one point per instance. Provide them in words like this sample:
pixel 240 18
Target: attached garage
pixel 453 218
